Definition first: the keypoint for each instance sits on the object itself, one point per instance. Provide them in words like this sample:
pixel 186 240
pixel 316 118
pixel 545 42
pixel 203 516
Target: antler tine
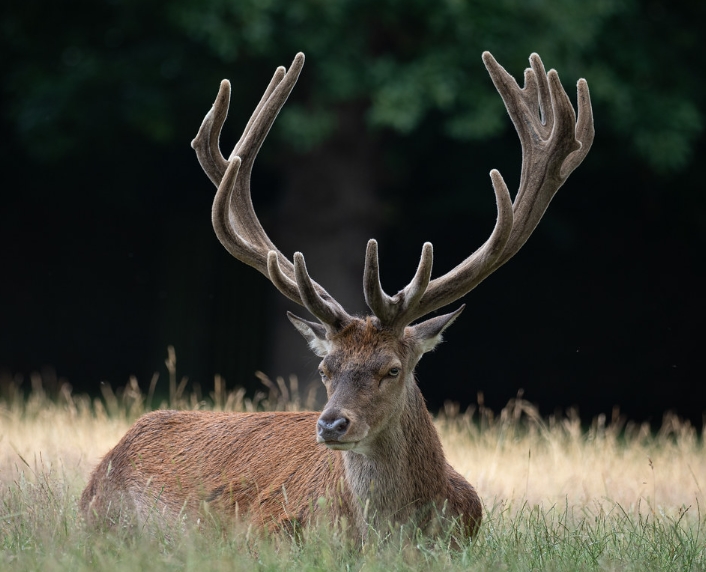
pixel 206 142
pixel 585 131
pixel 306 292
pixel 276 81
pixel 234 220
pixel 536 91
pixel 392 311
pixel 240 211
pixel 382 305
pixel 474 269
pixel 553 143
pixel 321 305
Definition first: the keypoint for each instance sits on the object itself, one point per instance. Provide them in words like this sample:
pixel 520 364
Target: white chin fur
pixel 338 446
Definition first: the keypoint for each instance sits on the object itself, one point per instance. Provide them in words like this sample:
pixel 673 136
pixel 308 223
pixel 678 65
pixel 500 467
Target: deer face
pixel 367 371
pixel 366 383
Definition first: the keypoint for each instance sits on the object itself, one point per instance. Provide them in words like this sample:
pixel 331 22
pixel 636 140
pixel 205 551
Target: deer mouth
pixel 339 445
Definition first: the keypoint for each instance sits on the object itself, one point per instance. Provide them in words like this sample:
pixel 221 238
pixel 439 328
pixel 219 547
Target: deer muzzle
pixel 332 426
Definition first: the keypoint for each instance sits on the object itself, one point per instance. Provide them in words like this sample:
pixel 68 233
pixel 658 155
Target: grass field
pixel 557 495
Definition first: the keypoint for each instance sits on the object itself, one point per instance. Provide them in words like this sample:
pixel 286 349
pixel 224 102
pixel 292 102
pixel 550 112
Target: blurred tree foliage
pixel 74 70
pixel 110 254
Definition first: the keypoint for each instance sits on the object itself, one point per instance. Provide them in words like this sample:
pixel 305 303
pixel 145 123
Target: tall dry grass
pixel 514 458
pixel 518 457
pixel 558 495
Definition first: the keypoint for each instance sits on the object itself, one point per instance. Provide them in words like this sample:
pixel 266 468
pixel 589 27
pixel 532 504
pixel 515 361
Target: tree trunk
pixel 328 212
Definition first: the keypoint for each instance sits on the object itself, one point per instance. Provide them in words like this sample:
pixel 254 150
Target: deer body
pixel 155 471
pixel 263 465
pixel 269 466
pixel 373 453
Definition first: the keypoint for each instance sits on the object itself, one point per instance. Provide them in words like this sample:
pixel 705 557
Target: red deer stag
pixel 373 452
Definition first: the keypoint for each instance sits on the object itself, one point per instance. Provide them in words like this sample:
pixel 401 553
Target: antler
pixel 233 216
pixel 553 144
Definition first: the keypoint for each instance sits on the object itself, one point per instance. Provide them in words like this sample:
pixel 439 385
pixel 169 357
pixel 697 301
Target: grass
pixel 558 496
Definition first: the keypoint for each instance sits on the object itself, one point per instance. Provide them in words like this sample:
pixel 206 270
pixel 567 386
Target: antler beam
pixel 553 143
pixel 234 220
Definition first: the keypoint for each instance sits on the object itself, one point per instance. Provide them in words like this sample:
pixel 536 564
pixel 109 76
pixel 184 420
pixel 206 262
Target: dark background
pixel 108 255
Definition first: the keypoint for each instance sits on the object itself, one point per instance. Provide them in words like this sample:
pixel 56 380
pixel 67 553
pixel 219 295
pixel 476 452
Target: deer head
pixel 367 363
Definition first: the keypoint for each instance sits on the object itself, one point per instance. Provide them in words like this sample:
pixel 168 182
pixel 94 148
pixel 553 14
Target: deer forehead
pixel 363 345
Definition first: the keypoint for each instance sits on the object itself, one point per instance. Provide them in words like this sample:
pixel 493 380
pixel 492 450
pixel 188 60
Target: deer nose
pixel 332 426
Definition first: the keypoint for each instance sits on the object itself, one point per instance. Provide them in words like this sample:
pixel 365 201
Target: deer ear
pixel 314 334
pixel 428 333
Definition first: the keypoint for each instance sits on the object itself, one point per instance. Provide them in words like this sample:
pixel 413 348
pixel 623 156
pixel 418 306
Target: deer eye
pixel 394 372
pixel 323 375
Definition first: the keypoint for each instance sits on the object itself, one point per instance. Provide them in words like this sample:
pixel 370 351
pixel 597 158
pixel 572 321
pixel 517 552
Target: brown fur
pixel 266 465
pixel 270 467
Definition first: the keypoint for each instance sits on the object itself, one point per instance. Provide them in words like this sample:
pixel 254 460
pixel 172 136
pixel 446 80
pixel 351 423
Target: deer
pixel 372 457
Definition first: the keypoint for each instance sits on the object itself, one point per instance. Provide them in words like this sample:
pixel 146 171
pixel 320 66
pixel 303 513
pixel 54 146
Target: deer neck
pixel 402 471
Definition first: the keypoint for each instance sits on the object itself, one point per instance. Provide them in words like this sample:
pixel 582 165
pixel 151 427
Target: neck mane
pixel 403 472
